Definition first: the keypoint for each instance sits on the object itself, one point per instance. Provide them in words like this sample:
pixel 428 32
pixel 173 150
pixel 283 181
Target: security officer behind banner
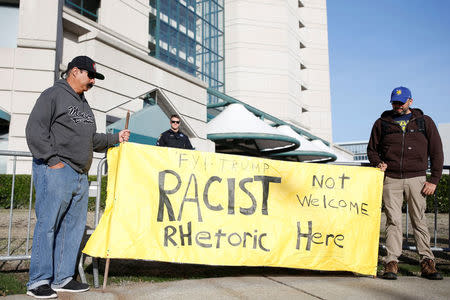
pixel 173 137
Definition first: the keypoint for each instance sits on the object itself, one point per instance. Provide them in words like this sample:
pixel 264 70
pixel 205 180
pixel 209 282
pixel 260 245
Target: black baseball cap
pixel 85 63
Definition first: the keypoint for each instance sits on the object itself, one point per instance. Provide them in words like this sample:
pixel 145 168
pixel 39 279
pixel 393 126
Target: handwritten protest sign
pixel 186 206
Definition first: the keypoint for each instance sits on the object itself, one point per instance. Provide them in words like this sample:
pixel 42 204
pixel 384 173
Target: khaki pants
pixel 393 191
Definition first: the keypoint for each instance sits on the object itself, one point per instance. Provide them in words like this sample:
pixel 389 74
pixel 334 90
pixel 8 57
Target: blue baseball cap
pixel 400 94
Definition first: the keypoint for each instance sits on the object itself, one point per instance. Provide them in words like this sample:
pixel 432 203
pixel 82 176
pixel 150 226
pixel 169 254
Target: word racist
pixel 166 204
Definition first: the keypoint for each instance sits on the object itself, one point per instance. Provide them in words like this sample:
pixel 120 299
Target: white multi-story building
pixel 276 59
pixel 272 55
pixel 118 40
pixel 358 148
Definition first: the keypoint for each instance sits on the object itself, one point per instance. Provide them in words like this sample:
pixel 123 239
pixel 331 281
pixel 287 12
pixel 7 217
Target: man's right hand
pixel 124 135
pixel 428 188
pixel 57 166
pixel 382 166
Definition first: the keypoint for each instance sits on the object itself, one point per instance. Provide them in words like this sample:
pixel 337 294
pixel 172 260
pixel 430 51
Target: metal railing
pixel 98 196
pixel 406 245
pixel 8 256
pixel 95 190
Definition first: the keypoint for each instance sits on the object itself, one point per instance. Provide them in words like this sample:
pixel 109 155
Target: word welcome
pixel 327 202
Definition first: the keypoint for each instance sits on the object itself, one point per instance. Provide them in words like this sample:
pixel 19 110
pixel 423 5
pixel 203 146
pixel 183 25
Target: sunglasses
pixel 398 103
pixel 178 122
pixel 91 75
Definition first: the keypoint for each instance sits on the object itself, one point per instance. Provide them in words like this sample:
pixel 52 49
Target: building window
pixel 188 35
pixel 300 4
pixel 302 45
pixel 300 24
pixel 9 22
pixel 360 157
pixel 87 8
pixel 302 66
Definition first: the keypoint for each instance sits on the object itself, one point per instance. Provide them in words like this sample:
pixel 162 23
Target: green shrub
pixel 22 191
pixel 91 205
pixel 442 196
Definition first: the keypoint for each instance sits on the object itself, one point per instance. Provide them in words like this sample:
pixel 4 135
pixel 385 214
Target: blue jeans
pixel 61 207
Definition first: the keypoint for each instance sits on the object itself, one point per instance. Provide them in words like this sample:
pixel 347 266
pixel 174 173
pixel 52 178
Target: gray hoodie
pixel 61 127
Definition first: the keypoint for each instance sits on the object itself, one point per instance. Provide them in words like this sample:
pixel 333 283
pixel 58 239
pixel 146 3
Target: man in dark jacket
pixel 400 144
pixel 174 137
pixel 61 135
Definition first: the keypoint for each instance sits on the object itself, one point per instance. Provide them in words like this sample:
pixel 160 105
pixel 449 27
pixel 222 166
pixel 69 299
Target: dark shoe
pixel 42 292
pixel 390 270
pixel 429 270
pixel 73 286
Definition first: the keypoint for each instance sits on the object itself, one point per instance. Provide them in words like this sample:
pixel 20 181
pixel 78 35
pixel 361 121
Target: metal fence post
pixel 435 219
pixel 448 202
pixel 407 222
pixel 25 255
pixel 101 164
pixel 11 205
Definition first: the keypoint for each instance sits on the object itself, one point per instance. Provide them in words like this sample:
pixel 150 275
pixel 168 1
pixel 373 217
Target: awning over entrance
pixel 237 131
pixel 145 125
pixel 5 118
pixel 307 152
pixel 4 115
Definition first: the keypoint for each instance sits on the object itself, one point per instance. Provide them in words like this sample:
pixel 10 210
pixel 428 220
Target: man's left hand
pixel 124 135
pixel 428 188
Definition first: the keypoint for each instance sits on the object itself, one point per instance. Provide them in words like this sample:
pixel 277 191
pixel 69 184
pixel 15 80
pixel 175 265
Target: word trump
pixel 165 202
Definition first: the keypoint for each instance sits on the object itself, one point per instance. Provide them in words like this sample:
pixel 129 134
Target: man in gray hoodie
pixel 61 134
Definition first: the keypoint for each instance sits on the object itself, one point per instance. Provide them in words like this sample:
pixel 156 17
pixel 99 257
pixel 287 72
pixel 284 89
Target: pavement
pixel 272 287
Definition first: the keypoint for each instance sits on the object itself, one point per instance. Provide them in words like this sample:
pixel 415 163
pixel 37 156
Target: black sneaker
pixel 42 292
pixel 73 286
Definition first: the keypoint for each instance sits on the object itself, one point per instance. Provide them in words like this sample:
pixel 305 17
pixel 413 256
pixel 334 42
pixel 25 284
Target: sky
pixel 375 46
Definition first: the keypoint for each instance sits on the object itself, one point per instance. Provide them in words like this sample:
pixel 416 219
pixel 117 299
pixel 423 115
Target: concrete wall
pixel 118 43
pixel 133 24
pixel 263 60
pixel 444 131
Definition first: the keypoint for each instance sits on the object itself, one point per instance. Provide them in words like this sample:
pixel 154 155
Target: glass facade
pixel 359 150
pixel 87 8
pixel 188 34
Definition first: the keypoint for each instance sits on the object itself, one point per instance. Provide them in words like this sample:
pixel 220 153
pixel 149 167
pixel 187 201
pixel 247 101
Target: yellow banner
pixel 185 206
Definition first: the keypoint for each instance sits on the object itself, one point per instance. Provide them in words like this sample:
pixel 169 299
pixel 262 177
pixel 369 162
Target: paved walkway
pixel 259 287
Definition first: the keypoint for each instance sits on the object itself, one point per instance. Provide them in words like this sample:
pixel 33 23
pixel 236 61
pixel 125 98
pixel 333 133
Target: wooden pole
pixel 105 278
pixel 128 119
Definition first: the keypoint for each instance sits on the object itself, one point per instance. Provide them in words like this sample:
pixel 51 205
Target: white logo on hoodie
pixel 77 116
